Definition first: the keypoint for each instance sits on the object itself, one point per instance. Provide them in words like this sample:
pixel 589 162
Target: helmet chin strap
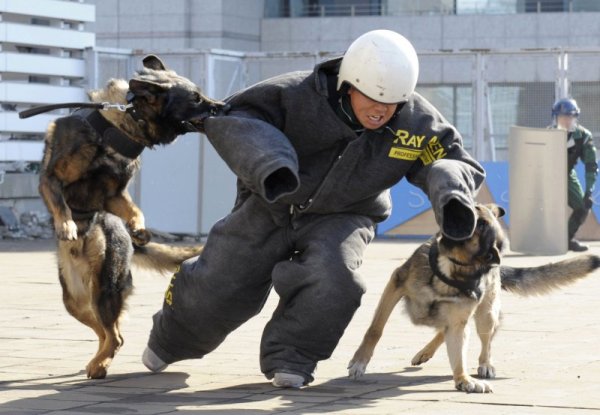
pixel 347 113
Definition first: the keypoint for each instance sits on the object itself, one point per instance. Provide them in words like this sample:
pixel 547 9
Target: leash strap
pixel 46 108
pixel 95 105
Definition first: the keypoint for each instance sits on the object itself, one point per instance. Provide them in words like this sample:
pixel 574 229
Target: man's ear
pixel 153 62
pixel 146 89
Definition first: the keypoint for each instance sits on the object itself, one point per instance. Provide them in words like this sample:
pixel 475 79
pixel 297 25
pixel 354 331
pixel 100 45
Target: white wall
pixel 184 187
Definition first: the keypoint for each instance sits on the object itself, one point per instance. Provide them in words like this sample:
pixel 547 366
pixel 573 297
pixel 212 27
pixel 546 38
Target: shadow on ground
pixel 169 391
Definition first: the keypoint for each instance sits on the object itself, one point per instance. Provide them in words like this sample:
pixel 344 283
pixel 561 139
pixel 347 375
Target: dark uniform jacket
pixel 285 142
pixel 580 146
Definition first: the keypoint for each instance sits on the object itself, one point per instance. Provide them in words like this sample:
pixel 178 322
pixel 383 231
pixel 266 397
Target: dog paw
pixel 96 370
pixel 66 231
pixel 471 385
pixel 356 369
pixel 486 371
pixel 420 358
pixel 140 236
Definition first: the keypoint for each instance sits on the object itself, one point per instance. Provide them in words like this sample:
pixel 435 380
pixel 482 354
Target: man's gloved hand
pixel 458 220
pixel 588 202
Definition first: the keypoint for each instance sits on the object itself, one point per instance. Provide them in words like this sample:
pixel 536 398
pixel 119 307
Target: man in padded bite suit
pixel 315 154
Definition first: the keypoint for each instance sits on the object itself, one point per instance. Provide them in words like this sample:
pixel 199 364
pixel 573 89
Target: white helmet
pixel 381 64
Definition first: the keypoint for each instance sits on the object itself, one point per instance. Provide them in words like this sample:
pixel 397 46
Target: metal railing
pixel 481 92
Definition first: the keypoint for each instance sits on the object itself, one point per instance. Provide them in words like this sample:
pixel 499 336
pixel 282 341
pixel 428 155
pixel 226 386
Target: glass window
pixel 585 5
pixel 486 6
pixel 454 102
pixel 314 8
pixel 535 6
pixel 277 8
pixel 40 22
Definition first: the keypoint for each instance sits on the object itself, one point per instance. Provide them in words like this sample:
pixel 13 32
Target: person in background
pixel 580 146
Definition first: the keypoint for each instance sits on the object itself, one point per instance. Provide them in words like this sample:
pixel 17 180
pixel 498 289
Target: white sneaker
pixel 152 361
pixel 287 380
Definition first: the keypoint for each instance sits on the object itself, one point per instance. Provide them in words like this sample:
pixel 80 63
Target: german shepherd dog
pixel 89 159
pixel 445 283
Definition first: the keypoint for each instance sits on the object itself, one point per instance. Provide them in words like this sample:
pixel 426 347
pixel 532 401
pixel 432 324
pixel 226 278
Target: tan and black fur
pixel 83 183
pixel 474 281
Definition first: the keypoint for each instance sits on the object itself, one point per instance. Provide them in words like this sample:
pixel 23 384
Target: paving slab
pixel 547 354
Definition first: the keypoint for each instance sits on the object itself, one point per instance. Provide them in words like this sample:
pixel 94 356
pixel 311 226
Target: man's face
pixel 371 114
pixel 566 122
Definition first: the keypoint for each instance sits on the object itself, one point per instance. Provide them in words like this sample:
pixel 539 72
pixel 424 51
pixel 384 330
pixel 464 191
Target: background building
pixel 42 46
pixel 486 64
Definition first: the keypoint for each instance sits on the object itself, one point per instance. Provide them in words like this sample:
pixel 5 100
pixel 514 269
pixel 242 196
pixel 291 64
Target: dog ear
pixel 153 62
pixel 498 211
pixel 146 89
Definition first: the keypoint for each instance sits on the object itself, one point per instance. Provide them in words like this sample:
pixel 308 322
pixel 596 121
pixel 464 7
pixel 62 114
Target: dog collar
pixel 130 97
pixel 110 135
pixel 470 287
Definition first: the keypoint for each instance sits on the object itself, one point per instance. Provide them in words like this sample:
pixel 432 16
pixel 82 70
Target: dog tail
pixel 162 257
pixel 546 278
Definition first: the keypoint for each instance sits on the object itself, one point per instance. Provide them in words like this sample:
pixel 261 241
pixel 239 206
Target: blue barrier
pixel 409 201
pixel 496 180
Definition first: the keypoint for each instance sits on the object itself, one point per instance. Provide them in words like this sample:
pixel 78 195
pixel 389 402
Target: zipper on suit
pixel 304 206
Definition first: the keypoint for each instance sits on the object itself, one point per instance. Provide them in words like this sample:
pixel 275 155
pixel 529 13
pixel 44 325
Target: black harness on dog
pixel 110 135
pixel 469 287
pixel 90 112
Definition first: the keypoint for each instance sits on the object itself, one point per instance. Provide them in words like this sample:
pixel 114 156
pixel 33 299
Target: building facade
pixel 486 64
pixel 42 47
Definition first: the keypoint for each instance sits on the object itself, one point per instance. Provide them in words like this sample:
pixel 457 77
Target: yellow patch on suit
pixel 434 151
pixel 404 154
pixel 406 146
pixel 410 147
pixel 169 292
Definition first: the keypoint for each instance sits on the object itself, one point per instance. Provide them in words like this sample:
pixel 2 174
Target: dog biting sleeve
pixel 451 185
pixel 259 154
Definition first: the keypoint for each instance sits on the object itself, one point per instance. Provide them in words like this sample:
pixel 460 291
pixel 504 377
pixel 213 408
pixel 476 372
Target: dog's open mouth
pixel 213 109
pixel 190 127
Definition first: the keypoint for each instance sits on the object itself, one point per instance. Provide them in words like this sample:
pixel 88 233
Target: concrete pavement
pixel 547 354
